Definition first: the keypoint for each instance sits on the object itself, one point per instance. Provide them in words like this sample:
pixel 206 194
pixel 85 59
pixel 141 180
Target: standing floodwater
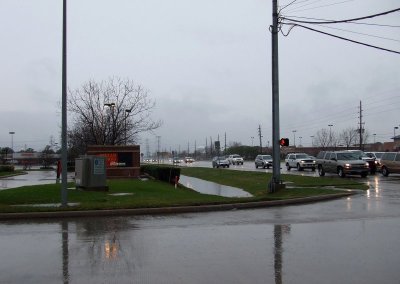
pixel 213 188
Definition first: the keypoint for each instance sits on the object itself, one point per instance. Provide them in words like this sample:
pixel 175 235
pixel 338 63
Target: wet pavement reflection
pixel 349 240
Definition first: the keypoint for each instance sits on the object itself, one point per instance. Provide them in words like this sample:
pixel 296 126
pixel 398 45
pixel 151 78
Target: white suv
pixel 300 161
pixel 235 159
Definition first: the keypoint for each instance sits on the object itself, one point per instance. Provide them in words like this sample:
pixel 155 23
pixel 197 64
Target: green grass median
pixel 134 193
pixel 256 182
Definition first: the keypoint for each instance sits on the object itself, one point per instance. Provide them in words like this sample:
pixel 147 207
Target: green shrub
pixel 6 168
pixel 163 173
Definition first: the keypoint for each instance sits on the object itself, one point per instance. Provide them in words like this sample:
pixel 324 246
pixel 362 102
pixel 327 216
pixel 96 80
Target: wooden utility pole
pixel 276 182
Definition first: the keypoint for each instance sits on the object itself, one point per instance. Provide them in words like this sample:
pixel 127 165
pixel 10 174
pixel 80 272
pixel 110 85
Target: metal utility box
pixel 90 173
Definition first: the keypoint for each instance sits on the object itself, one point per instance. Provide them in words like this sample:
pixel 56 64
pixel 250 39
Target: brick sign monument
pixel 121 161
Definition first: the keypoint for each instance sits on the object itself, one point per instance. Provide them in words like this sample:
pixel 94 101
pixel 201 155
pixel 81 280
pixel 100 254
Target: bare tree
pixel 348 137
pixel 323 138
pixel 365 138
pixel 111 112
pixel 47 157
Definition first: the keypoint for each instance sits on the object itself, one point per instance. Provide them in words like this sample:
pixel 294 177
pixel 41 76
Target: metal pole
pixel 12 146
pixel 294 137
pixel 276 169
pixel 126 116
pixel 64 201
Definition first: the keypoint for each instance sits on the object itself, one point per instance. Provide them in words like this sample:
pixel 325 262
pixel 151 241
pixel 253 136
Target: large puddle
pixel 212 188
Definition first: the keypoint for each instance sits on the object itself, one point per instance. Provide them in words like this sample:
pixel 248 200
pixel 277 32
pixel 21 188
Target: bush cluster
pixel 162 173
pixel 6 168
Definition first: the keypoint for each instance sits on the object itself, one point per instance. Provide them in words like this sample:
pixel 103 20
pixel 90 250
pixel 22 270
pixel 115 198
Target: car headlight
pixel 301 162
pixel 367 164
pixel 348 166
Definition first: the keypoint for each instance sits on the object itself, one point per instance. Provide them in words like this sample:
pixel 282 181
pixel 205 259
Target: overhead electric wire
pixel 341 21
pixel 344 115
pixel 284 7
pixel 354 23
pixel 318 7
pixel 313 123
pixel 343 38
pixel 353 32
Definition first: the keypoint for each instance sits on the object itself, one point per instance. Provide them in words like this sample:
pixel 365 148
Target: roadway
pixel 349 240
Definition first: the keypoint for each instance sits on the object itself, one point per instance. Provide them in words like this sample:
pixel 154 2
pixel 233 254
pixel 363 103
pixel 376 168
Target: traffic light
pixel 284 142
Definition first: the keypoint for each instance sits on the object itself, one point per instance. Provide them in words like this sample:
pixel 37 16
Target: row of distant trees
pixel 348 137
pixel 46 155
pixel 323 138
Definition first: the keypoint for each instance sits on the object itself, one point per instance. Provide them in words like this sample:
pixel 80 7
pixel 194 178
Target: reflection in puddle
pixel 213 188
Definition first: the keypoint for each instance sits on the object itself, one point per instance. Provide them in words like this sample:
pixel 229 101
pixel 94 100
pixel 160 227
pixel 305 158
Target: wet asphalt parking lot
pixel 348 240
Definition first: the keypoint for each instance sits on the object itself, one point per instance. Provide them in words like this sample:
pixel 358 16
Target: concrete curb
pixel 171 210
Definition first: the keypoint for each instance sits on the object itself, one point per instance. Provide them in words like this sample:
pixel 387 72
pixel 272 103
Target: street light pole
pixel 12 145
pixel 127 112
pixel 111 106
pixel 312 140
pixel 394 131
pixel 300 141
pixel 252 141
pixel 330 134
pixel 294 137
pixel 64 158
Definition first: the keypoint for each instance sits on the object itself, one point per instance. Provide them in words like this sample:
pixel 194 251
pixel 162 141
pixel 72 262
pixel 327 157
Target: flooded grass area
pixel 207 187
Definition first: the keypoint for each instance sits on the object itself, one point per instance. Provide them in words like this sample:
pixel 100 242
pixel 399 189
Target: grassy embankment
pixel 152 194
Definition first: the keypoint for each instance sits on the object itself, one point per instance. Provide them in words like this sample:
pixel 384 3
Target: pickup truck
pixel 341 163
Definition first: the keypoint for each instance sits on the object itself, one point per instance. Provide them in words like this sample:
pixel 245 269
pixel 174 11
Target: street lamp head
pixel 109 104
pixel 11 132
pixel 128 111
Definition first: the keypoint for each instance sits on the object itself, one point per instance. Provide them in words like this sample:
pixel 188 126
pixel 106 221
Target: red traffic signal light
pixel 284 142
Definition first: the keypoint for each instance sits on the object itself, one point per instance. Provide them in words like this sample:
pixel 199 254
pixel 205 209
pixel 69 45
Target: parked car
pixel 264 161
pixel 390 163
pixel 300 161
pixel 371 160
pixel 235 159
pixel 341 163
pixel 220 161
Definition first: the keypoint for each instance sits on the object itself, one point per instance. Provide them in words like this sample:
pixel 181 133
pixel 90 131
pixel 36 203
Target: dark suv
pixel 341 163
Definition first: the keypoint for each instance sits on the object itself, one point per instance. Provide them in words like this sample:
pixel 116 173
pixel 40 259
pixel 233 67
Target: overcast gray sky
pixel 206 63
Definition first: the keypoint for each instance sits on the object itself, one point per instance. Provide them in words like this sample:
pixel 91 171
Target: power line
pixel 342 21
pixel 375 36
pixel 318 7
pixel 354 23
pixel 343 38
pixel 287 5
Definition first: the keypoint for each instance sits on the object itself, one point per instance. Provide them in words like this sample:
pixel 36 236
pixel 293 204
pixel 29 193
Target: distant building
pixel 396 143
